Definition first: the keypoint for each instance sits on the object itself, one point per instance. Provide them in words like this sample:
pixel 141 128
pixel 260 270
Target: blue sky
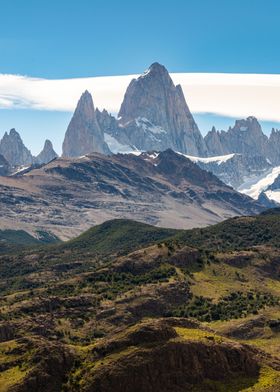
pixel 66 39
pixel 60 39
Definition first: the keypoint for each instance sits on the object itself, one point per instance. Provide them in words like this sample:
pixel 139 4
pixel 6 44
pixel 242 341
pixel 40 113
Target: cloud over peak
pixel 233 95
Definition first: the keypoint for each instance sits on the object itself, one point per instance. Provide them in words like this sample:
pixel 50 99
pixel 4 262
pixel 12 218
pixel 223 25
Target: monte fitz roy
pixel 166 168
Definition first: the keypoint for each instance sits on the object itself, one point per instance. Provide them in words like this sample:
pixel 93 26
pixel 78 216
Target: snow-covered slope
pixel 217 159
pixel 116 147
pixel 273 195
pixel 254 187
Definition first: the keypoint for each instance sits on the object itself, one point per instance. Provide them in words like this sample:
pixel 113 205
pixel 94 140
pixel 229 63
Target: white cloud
pixel 233 95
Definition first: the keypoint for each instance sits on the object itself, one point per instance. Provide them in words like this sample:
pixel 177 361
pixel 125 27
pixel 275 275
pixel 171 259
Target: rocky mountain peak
pixel 14 150
pixel 250 124
pixel 157 70
pixel 85 105
pixel 84 135
pixel 142 94
pixel 154 97
pixel 245 137
pixel 47 154
pixel 213 143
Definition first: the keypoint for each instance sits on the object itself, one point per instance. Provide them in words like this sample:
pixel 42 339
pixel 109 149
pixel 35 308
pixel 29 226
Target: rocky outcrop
pixel 51 363
pixel 155 115
pixel 183 365
pixel 84 135
pixel 13 149
pixel 47 154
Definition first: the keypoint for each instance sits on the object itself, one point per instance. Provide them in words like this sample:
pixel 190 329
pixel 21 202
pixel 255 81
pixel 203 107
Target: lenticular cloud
pixel 233 95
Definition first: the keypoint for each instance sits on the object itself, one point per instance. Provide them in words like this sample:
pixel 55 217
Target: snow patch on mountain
pixel 116 147
pixel 217 159
pixel 254 187
pixel 145 124
pixel 273 195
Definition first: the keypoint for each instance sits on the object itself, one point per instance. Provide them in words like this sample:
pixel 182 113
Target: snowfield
pixel 116 147
pixel 216 159
pixel 254 187
pixel 273 195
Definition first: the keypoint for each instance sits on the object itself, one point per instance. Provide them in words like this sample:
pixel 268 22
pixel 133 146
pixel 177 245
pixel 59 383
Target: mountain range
pixel 66 196
pixel 154 115
pixel 153 118
pixel 13 150
pixel 146 257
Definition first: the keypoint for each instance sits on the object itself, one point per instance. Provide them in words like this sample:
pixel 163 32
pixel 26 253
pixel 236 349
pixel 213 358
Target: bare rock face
pixel 83 135
pixel 156 115
pixel 214 143
pixel 246 137
pixel 4 166
pixel 13 149
pixel 47 154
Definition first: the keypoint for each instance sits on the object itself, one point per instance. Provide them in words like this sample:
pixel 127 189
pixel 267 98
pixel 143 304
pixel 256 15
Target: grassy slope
pixel 119 236
pixel 13 240
pixel 215 279
pixel 236 233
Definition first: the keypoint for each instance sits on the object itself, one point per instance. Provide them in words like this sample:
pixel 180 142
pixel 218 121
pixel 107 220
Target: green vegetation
pixel 119 236
pixel 236 233
pixel 15 240
pixel 120 282
pixel 235 305
pixel 72 295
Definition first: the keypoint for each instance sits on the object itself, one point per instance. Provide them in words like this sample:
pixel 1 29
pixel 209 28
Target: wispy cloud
pixel 233 95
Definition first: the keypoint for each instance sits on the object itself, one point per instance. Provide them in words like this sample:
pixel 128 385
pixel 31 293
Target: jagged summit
pixel 245 137
pixel 249 124
pixel 14 150
pixel 85 104
pixel 83 135
pixel 47 154
pixel 155 68
pixel 154 97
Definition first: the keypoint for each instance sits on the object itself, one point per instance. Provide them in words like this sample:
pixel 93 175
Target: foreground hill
pixel 96 313
pixel 67 196
pixel 14 240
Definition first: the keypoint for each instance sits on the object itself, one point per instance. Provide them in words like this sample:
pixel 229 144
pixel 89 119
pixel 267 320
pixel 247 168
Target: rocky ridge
pixel 13 149
pixel 67 196
pixel 153 116
pixel 84 135
pixel 247 138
